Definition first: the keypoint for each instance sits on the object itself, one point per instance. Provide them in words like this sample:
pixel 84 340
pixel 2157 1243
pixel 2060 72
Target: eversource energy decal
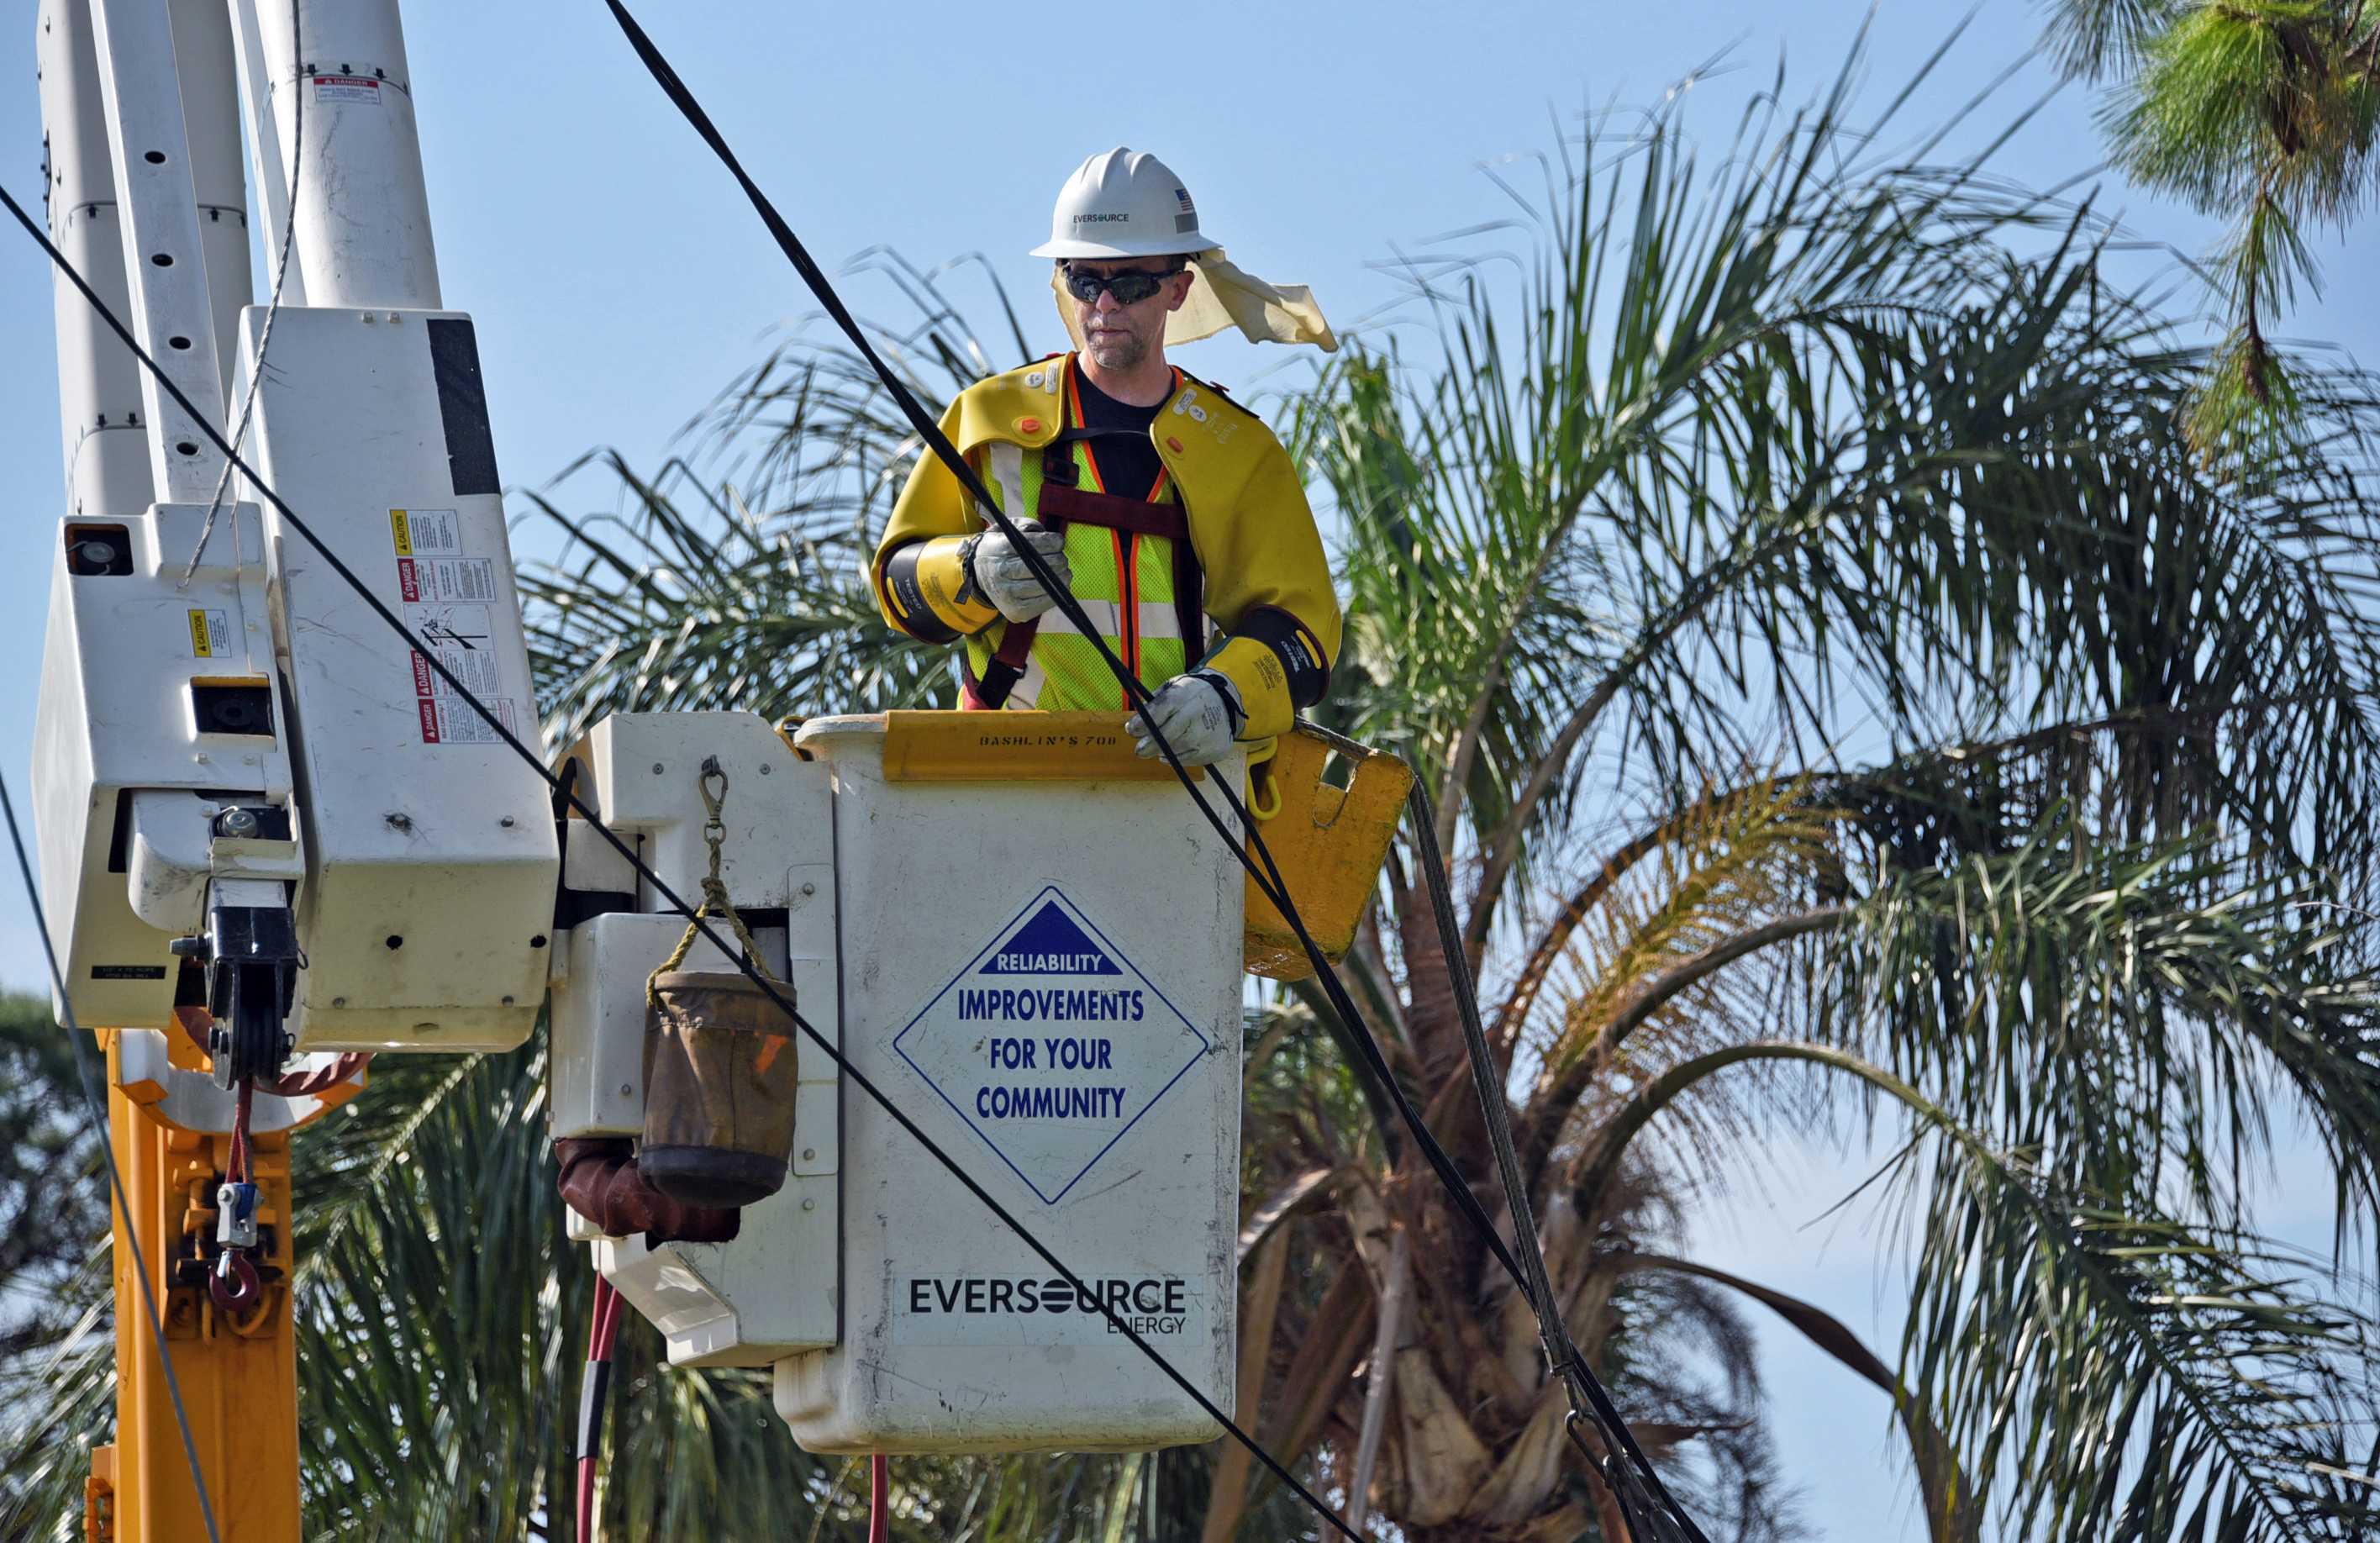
pixel 1050 1044
pixel 1043 1309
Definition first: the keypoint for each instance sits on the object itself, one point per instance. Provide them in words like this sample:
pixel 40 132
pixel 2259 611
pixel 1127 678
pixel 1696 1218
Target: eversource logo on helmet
pixel 1100 219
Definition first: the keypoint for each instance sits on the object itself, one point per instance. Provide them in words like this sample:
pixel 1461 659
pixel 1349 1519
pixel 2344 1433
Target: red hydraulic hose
pixel 590 1400
pixel 880 1509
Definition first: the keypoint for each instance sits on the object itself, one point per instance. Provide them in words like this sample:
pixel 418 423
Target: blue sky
pixel 618 281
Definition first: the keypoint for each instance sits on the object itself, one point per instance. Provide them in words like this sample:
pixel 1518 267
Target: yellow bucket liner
pixel 1329 841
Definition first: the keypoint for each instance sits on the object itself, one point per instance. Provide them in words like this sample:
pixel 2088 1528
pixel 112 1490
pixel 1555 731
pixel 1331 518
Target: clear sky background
pixel 618 281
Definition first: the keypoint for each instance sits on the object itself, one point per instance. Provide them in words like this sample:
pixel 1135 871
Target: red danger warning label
pixel 360 89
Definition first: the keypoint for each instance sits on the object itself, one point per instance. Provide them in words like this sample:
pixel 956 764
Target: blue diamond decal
pixel 1050 1044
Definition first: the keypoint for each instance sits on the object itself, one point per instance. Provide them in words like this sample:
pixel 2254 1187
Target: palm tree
pixel 1843 697
pixel 1846 696
pixel 2264 112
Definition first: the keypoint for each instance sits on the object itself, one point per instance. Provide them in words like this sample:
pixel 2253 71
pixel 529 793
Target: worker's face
pixel 1123 337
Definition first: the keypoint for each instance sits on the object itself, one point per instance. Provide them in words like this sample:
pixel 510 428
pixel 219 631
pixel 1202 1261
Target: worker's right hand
pixel 999 574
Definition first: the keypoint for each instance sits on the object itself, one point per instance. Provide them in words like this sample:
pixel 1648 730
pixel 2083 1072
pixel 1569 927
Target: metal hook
pixel 234 1285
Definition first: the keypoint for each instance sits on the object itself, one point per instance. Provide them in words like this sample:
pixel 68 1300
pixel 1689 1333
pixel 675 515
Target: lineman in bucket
pixel 1171 513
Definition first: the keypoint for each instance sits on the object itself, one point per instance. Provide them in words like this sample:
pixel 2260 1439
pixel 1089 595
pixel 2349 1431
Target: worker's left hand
pixel 1197 715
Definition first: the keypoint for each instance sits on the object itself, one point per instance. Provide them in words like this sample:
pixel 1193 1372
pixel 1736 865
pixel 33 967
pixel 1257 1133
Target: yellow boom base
pixel 238 1378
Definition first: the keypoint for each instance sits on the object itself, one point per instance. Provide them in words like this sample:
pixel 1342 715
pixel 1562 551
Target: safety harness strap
pixel 1063 504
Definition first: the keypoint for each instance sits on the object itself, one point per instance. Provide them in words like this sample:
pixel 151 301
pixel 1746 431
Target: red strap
pixel 1061 507
pixel 1016 644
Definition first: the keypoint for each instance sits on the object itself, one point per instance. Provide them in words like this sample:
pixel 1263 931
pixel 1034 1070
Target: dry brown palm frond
pixel 1734 858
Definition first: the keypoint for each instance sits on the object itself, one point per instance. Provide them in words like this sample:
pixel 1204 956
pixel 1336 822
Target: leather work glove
pixel 997 573
pixel 1198 714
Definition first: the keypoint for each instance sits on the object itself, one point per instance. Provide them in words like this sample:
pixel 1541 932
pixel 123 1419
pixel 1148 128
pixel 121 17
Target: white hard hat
pixel 1123 205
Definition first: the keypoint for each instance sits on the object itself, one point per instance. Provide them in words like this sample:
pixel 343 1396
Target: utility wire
pixel 662 887
pixel 115 1174
pixel 1627 1469
pixel 1578 1378
pixel 1267 877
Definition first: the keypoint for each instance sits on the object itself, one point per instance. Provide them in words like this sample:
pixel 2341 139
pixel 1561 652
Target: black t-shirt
pixel 1127 466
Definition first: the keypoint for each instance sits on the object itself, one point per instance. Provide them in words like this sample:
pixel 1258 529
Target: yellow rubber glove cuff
pixel 942 578
pixel 1256 672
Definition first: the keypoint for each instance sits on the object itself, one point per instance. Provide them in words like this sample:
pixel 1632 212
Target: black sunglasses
pixel 1129 288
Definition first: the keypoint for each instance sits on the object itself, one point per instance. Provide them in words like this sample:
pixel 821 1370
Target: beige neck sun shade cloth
pixel 1221 296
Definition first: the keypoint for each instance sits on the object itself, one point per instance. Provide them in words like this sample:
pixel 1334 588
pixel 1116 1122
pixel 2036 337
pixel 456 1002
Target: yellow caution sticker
pixel 209 634
pixel 426 532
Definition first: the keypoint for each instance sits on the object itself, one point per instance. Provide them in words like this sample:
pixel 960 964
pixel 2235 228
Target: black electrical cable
pixel 1267 878
pixel 660 886
pixel 115 1174
pixel 1627 1465
pixel 1269 881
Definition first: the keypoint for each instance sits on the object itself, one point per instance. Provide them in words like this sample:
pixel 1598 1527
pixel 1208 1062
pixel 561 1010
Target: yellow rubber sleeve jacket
pixel 927 591
pixel 1268 580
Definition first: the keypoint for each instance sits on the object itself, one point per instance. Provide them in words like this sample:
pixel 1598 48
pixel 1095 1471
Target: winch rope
pixel 1576 1375
pixel 566 795
pixel 115 1174
pixel 272 301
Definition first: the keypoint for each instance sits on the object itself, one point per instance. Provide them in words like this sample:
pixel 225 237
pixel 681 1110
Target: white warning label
pixel 1167 1310
pixel 446 578
pixel 1050 1044
pixel 347 88
pixel 446 718
pixel 426 532
pixel 463 640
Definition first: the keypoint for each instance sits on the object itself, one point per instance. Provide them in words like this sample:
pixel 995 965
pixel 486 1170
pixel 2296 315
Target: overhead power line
pixel 1650 1497
pixel 566 795
pixel 1642 1496
pixel 115 1174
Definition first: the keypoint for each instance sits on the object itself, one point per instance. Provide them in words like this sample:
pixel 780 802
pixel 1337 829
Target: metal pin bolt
pixel 810 1205
pixel 338 1001
pixel 764 769
pixel 657 768
pixel 628 1090
pixel 239 822
pixel 506 822
pixel 809 1154
pixel 809 889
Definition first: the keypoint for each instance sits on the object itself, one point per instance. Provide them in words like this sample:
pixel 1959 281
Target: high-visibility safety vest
pixel 1226 532
pixel 1132 567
